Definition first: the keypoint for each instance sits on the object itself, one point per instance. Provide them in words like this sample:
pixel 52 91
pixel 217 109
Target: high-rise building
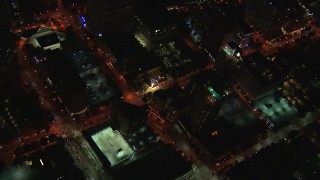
pixel 205 105
pixel 129 118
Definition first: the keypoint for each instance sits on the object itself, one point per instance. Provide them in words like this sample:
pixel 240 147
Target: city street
pixel 31 82
pixel 173 135
pixel 271 138
pixel 289 40
pixel 85 157
pixel 172 65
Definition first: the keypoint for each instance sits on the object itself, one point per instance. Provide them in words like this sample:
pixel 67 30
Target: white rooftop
pixel 112 145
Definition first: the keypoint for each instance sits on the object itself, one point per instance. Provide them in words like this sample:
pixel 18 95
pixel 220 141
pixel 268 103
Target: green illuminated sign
pixel 214 93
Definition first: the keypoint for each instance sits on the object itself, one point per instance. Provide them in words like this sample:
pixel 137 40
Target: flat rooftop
pixel 277 109
pixel 163 162
pixel 71 88
pixel 99 88
pixel 262 69
pixel 48 40
pixel 83 61
pixel 112 145
pixel 124 45
pixel 232 107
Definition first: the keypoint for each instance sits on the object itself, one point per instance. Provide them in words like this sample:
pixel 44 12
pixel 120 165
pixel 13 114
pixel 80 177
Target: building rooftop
pixel 232 107
pixel 124 45
pixel 154 14
pixel 71 88
pixel 250 84
pixel 178 58
pixel 234 125
pixel 263 69
pixel 161 163
pixel 142 139
pixel 83 61
pixel 278 110
pixel 140 65
pixel 99 89
pixel 33 31
pixel 30 32
pixel 48 40
pixel 112 145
